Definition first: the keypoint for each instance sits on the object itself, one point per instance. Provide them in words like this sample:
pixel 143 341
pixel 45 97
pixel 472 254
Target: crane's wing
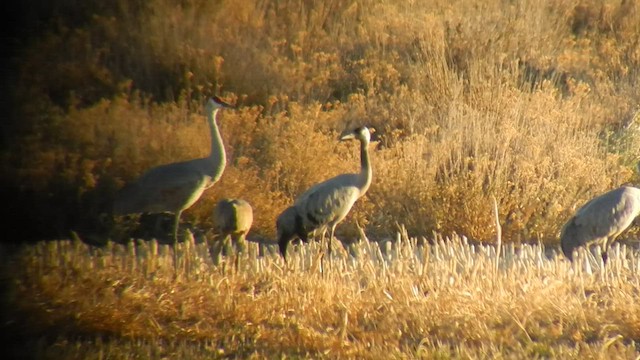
pixel 170 187
pixel 340 180
pixel 329 201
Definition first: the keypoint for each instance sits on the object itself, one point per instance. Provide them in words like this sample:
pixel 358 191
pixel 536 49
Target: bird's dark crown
pixel 219 101
pixel 360 129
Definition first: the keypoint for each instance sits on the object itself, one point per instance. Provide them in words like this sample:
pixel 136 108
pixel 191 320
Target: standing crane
pixel 326 204
pixel 175 187
pixel 233 219
pixel 601 220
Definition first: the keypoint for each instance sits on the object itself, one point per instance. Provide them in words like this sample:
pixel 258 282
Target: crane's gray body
pixel 177 186
pixel 601 220
pixel 166 188
pixel 326 204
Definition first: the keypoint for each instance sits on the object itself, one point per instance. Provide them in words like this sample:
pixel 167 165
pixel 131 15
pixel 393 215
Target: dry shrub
pixel 330 50
pixel 534 103
pixel 534 152
pixel 442 180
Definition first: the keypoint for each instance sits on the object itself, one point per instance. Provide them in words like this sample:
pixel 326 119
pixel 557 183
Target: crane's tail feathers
pixel 125 201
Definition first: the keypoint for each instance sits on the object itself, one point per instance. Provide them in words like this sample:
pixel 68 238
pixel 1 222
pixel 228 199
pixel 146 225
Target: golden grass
pixel 394 299
pixel 534 103
pixel 538 167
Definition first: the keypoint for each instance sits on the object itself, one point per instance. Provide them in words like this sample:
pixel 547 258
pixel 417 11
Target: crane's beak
pixel 347 136
pixel 354 134
pixel 222 103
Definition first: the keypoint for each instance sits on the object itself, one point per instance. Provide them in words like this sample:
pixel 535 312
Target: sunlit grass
pixel 501 101
pixel 533 103
pixel 397 297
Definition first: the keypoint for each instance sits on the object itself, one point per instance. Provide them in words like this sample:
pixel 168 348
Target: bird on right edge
pixel 326 204
pixel 601 220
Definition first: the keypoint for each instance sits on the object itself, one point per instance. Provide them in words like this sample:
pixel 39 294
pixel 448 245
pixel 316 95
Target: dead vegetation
pixel 535 103
pixel 448 299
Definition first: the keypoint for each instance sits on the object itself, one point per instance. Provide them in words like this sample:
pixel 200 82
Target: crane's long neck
pixel 217 156
pixel 366 172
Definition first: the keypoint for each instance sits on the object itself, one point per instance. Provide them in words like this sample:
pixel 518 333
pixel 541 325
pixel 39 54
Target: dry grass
pixel 450 299
pixel 533 103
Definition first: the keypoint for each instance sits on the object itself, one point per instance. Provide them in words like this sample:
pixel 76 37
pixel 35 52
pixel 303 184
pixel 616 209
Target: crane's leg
pixel 242 248
pixel 226 251
pixel 215 248
pixel 333 229
pixel 605 249
pixel 241 243
pixel 237 251
pixel 157 227
pixel 176 224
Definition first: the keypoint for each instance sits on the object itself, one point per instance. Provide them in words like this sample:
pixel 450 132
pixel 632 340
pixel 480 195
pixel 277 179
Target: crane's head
pixel 289 226
pixel 217 103
pixel 570 238
pixel 362 133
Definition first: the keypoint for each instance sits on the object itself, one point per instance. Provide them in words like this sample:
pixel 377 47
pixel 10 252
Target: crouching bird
pixel 601 220
pixel 233 219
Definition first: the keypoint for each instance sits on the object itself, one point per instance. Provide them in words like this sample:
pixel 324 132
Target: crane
pixel 601 220
pixel 289 226
pixel 177 186
pixel 325 205
pixel 233 219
